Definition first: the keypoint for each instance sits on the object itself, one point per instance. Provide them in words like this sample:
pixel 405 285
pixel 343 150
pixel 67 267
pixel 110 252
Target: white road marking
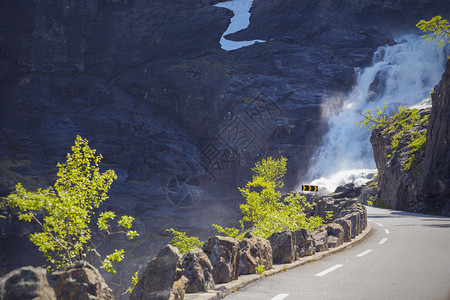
pixel 382 241
pixel 387 231
pixel 280 297
pixel 369 220
pixel 380 224
pixel 364 253
pixel 328 270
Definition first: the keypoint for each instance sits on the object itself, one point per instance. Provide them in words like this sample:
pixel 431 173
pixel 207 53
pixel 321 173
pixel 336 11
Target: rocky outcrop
pixel 224 254
pixel 161 280
pixel 304 242
pixel 335 235
pixel 433 182
pixel 80 281
pixel 283 247
pixel 320 237
pixel 255 251
pixel 197 268
pixel 397 165
pixel 346 226
pixel 26 283
pixel 411 153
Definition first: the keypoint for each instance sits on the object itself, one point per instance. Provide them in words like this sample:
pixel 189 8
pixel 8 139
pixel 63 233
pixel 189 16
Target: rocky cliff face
pixel 412 156
pixel 179 119
pixel 434 178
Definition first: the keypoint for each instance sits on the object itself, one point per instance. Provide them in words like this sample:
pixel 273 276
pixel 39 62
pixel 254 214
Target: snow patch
pixel 240 21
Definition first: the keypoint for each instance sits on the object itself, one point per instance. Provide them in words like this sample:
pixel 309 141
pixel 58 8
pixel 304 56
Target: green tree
pixel 64 211
pixel 265 209
pixel 436 28
pixel 373 117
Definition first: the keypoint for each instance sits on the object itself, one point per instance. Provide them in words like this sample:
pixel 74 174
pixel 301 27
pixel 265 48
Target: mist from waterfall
pixel 402 74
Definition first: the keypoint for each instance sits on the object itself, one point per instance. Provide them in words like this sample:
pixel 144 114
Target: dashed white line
pixel 382 241
pixel 364 253
pixel 387 231
pixel 328 270
pixel 380 224
pixel 280 297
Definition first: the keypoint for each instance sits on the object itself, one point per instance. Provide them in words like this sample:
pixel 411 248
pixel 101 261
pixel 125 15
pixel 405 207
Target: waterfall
pixel 402 74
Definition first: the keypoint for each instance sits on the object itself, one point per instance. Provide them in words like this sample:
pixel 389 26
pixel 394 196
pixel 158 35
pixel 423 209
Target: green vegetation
pixel 260 269
pixel 400 124
pixel 183 242
pixel 64 211
pixel 265 210
pixel 437 27
pixel 373 117
pixel 377 203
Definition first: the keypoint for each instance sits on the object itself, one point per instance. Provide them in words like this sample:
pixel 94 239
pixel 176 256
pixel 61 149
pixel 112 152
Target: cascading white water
pixel 402 74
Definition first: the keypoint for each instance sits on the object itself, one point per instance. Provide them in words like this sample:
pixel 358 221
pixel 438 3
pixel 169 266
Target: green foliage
pixel 417 144
pixel 377 203
pixel 118 256
pixel 65 210
pixel 373 117
pixel 264 207
pixel 400 123
pixel 437 27
pixel 231 232
pixel 329 216
pixel 183 242
pixel 134 281
pixel 260 269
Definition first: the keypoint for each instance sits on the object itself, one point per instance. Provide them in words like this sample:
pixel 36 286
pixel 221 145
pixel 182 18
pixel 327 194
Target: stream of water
pixel 402 74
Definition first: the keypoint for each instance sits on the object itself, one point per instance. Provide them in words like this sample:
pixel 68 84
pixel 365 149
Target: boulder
pixel 255 251
pixel 224 254
pixel 283 247
pixel 346 226
pixel 335 235
pixel 161 279
pixel 349 190
pixel 305 242
pixel 320 236
pixel 355 219
pixel 197 268
pixel 80 281
pixel 26 283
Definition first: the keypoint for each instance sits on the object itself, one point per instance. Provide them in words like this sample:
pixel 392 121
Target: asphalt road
pixel 406 257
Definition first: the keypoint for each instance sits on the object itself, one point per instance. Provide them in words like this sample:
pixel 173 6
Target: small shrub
pixel 183 242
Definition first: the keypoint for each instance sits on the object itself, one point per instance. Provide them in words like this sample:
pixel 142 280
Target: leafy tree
pixel 65 210
pixel 437 28
pixel 373 117
pixel 265 208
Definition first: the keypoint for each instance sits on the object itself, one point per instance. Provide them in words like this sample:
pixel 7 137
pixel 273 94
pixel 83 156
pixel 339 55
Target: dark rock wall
pixel 147 83
pixel 434 179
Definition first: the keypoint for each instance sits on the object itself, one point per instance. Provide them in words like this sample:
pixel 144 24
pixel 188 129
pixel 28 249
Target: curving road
pixel 406 257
